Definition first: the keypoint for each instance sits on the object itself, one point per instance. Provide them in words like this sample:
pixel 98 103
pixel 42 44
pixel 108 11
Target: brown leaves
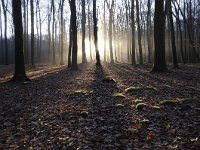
pixel 61 109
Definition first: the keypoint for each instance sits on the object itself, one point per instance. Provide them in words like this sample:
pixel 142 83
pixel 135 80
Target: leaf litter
pixel 88 109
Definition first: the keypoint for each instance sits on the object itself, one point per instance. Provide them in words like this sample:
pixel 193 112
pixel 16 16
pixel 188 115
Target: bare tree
pixel 110 8
pixel 32 35
pixel 98 63
pixel 175 62
pixel 159 37
pixel 62 30
pixel 5 8
pixel 20 74
pixel 84 59
pixel 133 32
pixel 74 65
pixel 53 31
pixel 139 32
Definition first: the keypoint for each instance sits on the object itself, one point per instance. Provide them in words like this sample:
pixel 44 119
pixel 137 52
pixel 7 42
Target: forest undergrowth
pixel 116 106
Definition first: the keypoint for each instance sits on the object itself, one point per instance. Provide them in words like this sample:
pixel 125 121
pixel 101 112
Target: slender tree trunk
pixel 133 32
pixel 74 35
pixel 62 32
pixel 149 31
pixel 110 36
pixel 181 35
pixel 104 22
pixel 139 33
pixel 40 31
pixel 49 35
pixel 1 40
pixel 84 59
pixel 32 35
pixel 20 74
pixel 5 6
pixel 89 26
pixel 25 33
pixel 38 36
pixel 53 32
pixel 70 44
pixel 175 62
pixel 159 37
pixel 98 63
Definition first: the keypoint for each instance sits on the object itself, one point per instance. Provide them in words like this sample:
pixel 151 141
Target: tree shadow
pixel 29 110
pixel 108 129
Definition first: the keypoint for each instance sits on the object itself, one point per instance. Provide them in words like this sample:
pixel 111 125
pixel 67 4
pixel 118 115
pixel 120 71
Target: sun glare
pixel 92 49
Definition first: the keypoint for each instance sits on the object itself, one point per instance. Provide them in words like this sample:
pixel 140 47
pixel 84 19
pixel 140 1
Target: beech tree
pixel 74 65
pixel 98 63
pixel 133 32
pixel 20 74
pixel 170 15
pixel 62 30
pixel 32 35
pixel 159 37
pixel 5 7
pixel 139 32
pixel 84 59
pixel 110 9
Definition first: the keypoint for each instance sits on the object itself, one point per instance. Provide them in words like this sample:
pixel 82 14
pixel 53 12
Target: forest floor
pixel 116 106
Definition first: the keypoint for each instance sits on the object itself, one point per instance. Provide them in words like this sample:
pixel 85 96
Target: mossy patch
pixel 193 101
pixel 145 121
pixel 179 102
pixel 119 95
pixel 155 107
pixel 137 101
pixel 83 92
pixel 108 79
pixel 84 113
pixel 133 130
pixel 141 106
pixel 119 106
pixel 169 103
pixel 133 89
pixel 150 88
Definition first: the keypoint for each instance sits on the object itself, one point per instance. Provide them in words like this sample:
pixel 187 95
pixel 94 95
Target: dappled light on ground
pixel 109 107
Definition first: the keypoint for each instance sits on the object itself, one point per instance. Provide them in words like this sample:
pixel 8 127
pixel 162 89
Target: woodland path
pixel 89 109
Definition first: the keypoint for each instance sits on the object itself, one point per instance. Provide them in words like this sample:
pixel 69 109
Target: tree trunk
pixel 40 31
pixel 53 32
pixel 32 35
pixel 25 33
pixel 159 37
pixel 98 63
pixel 84 59
pixel 104 24
pixel 175 62
pixel 5 6
pixel 62 32
pixel 70 44
pixel 49 35
pixel 139 33
pixel 89 26
pixel 20 74
pixel 149 31
pixel 1 40
pixel 133 33
pixel 181 35
pixel 74 35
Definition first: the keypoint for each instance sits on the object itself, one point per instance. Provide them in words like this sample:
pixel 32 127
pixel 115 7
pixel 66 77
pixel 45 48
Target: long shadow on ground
pixel 109 128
